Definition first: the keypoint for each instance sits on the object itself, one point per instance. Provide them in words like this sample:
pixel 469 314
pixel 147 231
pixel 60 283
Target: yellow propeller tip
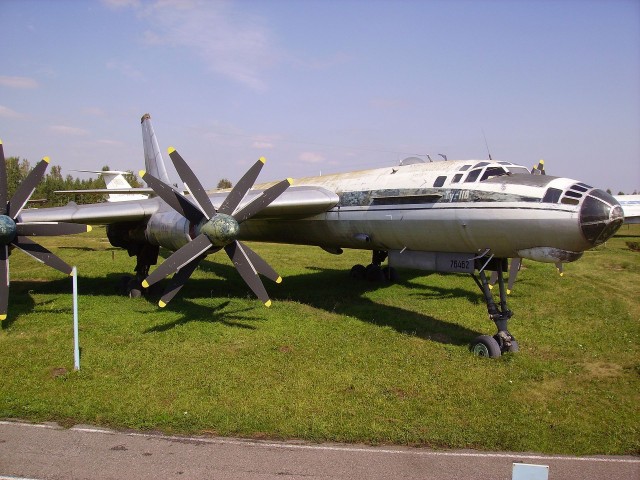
pixel 46 159
pixel 490 287
pixel 161 304
pixel 508 292
pixel 263 160
pixel 171 150
pixel 145 284
pixel 561 274
pixel 0 141
pixel 2 317
pixel 279 280
pixel 142 173
pixel 89 228
pixel 267 303
pixel 290 180
pixel 542 161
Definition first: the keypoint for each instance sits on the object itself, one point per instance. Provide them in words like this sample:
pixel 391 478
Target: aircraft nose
pixel 600 216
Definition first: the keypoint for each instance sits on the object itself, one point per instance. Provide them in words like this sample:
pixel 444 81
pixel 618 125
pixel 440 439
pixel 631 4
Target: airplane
pixel 118 188
pixel 630 206
pixel 462 216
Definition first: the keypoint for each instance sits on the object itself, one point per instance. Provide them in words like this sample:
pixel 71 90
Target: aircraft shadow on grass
pixel 331 290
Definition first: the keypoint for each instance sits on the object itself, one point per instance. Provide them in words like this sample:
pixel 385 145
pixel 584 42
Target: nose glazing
pixel 600 216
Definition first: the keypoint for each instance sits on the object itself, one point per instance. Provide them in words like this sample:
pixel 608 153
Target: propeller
pixel 14 233
pixel 218 229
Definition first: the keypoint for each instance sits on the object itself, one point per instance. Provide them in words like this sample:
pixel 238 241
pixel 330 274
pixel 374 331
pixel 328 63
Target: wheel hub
pixel 8 230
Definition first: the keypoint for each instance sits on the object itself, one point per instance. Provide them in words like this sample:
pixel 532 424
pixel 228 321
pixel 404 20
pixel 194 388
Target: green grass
pixel 332 360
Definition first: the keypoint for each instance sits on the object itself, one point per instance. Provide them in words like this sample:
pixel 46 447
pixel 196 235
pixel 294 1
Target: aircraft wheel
pixel 485 346
pixel 514 347
pixel 358 272
pixel 374 273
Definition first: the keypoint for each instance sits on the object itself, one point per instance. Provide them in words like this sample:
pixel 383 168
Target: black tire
pixel 514 347
pixel 485 346
pixel 358 272
pixel 135 293
pixel 374 273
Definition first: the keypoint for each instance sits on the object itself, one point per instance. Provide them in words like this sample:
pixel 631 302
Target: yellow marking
pixel 561 274
pixel 279 280
pixel 263 160
pixel 542 161
pixel 508 292
pixel 490 287
pixel 267 303
pixel 46 159
pixel 4 315
pixel 142 173
pixel 161 304
pixel 89 228
pixel 290 180
pixel 1 144
pixel 171 150
pixel 145 284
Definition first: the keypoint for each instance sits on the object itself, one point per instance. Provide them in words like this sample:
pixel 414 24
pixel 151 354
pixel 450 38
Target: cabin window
pixel 552 195
pixel 456 178
pixel 481 164
pixel 516 169
pixel 473 175
pixel 570 201
pixel 440 181
pixel 465 167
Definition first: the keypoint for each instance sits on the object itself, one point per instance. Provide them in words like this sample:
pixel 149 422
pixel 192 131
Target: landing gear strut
pixel 503 341
pixel 146 256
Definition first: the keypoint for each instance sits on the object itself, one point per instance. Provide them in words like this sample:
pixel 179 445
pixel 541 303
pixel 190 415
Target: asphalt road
pixel 48 451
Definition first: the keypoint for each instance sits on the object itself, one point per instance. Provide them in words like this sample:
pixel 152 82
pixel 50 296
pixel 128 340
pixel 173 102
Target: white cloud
pixel 6 112
pixel 18 82
pixel 235 44
pixel 70 131
pixel 311 157
pixel 125 69
pixel 263 142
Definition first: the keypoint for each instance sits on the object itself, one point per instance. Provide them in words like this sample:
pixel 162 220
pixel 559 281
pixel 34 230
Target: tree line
pixel 44 196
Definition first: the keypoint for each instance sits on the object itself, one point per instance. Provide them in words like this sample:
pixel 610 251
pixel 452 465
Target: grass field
pixel 332 360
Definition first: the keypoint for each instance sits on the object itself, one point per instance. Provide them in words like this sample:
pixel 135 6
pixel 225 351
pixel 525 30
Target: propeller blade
pixel 4 281
pixel 514 268
pixel 196 247
pixel 175 199
pixel 27 187
pixel 192 183
pixel 247 271
pixel 3 180
pixel 268 196
pixel 178 280
pixel 51 228
pixel 41 254
pixel 262 267
pixel 241 188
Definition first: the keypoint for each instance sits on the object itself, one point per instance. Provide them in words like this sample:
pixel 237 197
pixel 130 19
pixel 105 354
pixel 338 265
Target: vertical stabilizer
pixel 153 162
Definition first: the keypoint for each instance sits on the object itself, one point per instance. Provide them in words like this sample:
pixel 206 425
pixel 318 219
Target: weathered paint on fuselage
pixel 399 207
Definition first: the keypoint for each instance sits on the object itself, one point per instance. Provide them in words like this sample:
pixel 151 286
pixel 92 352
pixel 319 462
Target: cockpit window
pixel 473 175
pixel 552 195
pixel 516 169
pixel 491 172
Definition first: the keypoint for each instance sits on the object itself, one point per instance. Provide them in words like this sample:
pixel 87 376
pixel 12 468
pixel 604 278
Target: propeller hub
pixel 221 229
pixel 8 230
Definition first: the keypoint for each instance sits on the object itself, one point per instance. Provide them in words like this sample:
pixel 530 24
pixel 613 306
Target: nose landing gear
pixel 503 341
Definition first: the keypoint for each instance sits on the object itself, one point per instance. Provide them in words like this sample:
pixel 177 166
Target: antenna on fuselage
pixel 486 144
pixel 443 156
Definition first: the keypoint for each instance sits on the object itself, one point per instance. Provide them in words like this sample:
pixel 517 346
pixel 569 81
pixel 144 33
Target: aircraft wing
pixel 296 202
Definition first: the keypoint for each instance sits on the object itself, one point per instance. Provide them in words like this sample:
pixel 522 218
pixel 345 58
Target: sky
pixel 324 86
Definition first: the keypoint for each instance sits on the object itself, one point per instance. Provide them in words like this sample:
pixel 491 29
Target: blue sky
pixel 325 86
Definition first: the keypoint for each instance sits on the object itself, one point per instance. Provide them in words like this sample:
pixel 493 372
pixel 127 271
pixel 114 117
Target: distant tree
pixel 224 183
pixel 609 191
pixel 621 193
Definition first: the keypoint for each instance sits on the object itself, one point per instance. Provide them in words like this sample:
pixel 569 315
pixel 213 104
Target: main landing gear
pixel 503 341
pixel 375 272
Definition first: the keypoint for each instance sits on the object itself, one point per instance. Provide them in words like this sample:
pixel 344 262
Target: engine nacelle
pixel 169 230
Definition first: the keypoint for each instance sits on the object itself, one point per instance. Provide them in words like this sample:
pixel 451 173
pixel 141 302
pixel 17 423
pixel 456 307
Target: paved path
pixel 52 452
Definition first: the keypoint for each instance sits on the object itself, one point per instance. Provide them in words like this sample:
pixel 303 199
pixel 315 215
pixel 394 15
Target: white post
pixel 76 345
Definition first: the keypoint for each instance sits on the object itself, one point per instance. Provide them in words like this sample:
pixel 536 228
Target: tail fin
pixel 153 162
